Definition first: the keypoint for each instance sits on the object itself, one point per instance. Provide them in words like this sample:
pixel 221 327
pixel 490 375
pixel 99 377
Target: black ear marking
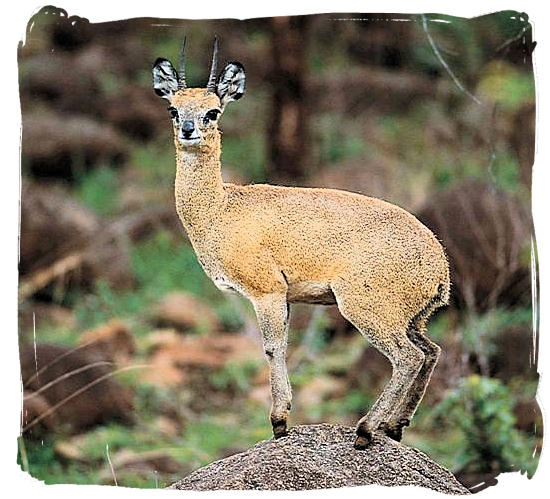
pixel 231 82
pixel 165 78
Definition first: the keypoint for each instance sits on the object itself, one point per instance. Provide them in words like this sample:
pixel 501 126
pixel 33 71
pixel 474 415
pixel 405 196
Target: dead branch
pixel 130 227
pixel 42 277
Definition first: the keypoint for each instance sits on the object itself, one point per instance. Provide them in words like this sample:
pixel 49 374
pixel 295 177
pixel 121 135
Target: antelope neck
pixel 199 191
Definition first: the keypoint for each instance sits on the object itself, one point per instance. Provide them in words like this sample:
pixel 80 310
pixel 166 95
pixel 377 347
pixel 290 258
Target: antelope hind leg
pixel 407 360
pixel 404 413
pixel 373 316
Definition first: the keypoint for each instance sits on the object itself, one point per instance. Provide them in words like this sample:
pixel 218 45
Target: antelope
pixel 277 245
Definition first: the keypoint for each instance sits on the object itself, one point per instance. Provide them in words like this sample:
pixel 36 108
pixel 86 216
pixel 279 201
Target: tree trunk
pixel 289 151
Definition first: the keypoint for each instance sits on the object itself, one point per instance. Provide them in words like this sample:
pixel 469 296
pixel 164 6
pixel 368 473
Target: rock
pixel 211 351
pixel 43 314
pixel 70 389
pixel 77 92
pixel 322 456
pixel 140 122
pixel 55 145
pixel 113 340
pixel 56 228
pixel 142 464
pixel 183 311
pixel 70 452
pixel 167 426
pixel 174 356
pixel 35 406
pixel 159 338
pixel 52 224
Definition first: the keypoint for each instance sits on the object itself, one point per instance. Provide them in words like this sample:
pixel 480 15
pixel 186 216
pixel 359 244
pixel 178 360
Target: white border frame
pixel 15 21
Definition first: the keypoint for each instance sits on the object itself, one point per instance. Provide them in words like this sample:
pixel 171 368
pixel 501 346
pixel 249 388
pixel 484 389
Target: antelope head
pixel 195 111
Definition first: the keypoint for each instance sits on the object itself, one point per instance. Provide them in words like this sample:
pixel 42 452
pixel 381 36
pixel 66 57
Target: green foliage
pixel 117 437
pixel 156 162
pixel 230 316
pixel 110 83
pixel 439 326
pixel 411 138
pixel 204 439
pixel 167 44
pixel 44 465
pixel 164 263
pixel 505 171
pixel 98 190
pixel 482 411
pixel 161 264
pixel 353 404
pixel 480 332
pixel 235 376
pixel 56 334
pixel 335 143
pixel 457 41
pixel 506 86
pixel 246 155
pixel 149 398
pixel 315 337
pixel 104 304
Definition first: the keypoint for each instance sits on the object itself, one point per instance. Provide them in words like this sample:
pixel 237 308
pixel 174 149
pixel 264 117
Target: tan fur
pixel 275 245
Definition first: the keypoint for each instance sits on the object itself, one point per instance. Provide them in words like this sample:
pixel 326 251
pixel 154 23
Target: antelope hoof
pixel 363 439
pixel 394 430
pixel 279 428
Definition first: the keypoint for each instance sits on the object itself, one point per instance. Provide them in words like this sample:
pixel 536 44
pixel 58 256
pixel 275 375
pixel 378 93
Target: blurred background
pixel 136 370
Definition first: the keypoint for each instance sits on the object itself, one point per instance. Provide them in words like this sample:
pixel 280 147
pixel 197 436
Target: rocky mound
pixel 322 456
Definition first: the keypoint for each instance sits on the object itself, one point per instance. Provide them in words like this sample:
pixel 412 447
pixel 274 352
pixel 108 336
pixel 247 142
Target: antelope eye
pixel 212 115
pixel 173 113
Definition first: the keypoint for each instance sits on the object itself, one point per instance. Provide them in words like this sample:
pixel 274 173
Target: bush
pixel 486 233
pixel 98 190
pixel 482 411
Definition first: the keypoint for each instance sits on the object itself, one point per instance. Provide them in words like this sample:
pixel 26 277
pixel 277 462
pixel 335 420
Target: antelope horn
pixel 181 67
pixel 211 86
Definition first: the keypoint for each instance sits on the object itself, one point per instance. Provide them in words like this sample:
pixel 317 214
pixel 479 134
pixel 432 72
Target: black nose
pixel 188 126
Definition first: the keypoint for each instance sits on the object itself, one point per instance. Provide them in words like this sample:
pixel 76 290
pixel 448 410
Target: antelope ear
pixel 230 85
pixel 165 78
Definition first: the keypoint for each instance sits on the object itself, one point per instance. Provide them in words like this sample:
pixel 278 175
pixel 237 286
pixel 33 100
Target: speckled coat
pixel 276 245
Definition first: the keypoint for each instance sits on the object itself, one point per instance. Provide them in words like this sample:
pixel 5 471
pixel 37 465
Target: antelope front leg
pixel 272 313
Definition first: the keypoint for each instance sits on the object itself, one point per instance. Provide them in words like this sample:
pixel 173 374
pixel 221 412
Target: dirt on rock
pixel 319 457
